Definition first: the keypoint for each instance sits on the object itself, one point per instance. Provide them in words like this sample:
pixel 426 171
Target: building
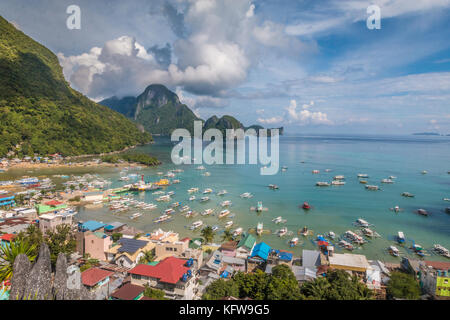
pixel 260 253
pixel 128 291
pixel 96 244
pixel 49 221
pixel 277 257
pixel 228 248
pixel 114 227
pixel 172 275
pixel 128 252
pixel 411 266
pixel 434 278
pixel 349 262
pixel 245 246
pixel 7 201
pixel 97 281
pixel 14 225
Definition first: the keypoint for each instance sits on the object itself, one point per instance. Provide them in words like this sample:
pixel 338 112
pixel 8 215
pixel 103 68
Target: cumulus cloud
pixel 305 116
pixel 260 111
pixel 198 102
pixel 217 44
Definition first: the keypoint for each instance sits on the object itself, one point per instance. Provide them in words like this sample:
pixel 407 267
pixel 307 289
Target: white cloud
pixel 305 116
pixel 259 111
pixel 251 11
pixel 272 120
pixel 198 102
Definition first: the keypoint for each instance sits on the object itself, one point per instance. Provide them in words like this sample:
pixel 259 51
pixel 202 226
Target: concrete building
pixel 49 221
pixel 349 262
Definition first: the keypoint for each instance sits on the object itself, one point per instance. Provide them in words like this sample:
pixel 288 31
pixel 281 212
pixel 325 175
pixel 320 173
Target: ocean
pixel 334 208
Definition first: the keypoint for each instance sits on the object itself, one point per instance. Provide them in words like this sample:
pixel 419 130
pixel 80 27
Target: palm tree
pixel 207 234
pixel 148 256
pixel 227 235
pixel 8 254
pixel 316 289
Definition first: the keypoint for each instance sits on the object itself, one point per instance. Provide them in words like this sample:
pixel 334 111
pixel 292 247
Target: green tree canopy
pixel 403 286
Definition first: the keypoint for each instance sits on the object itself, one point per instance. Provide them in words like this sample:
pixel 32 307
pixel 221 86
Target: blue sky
pixel 310 66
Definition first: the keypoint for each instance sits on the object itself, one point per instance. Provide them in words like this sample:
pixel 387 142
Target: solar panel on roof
pixel 131 245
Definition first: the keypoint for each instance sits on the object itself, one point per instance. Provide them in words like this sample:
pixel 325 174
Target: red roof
pixel 53 203
pixel 169 270
pixel 128 292
pixel 185 239
pixel 92 276
pixel 438 265
pixel 7 237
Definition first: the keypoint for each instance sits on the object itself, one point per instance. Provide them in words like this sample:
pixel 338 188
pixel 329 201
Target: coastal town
pixel 120 262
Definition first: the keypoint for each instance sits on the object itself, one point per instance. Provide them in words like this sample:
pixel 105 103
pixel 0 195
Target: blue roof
pixel 261 250
pixel 286 256
pixel 92 225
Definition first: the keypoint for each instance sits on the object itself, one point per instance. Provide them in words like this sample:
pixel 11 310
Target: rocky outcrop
pixel 37 282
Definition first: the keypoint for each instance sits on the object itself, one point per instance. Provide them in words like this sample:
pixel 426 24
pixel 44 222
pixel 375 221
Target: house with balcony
pixel 172 275
pixel 245 246
pixel 127 252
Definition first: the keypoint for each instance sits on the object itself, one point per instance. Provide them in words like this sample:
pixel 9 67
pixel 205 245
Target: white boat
pixel 169 211
pixel 441 250
pixel 163 198
pixel 424 172
pixel 222 192
pixel 346 245
pixel 315 171
pixel 204 199
pixel 163 218
pixel 446 199
pixel 208 190
pixel 207 174
pixel 282 231
pixel 246 195
pixel 372 187
pixel 331 235
pixel 207 212
pixel 387 181
pixel 201 168
pixel 124 178
pixel 400 237
pixel 259 228
pixel 136 215
pixel 322 184
pixel 224 213
pixel 175 204
pixel 170 193
pixel 196 225
pixel 368 232
pixel 190 214
pixel 192 198
pixel 293 242
pixel 215 228
pixel 149 206
pixel 192 190
pixel 354 237
pixel 259 207
pixel 393 251
pixel 339 177
pixel 237 232
pixel 392 177
pixel 278 220
pixel 363 175
pixel 362 223
pixel 225 203
pixel 184 209
pixel 407 194
pixel 228 224
pixel 337 183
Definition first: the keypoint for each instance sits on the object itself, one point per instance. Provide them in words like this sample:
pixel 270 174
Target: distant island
pixel 426 134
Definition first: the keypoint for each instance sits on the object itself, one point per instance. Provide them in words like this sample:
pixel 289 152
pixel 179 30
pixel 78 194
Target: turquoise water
pixel 334 208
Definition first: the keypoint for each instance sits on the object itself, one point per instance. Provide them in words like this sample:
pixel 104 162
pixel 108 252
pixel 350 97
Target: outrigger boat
pixel 169 211
pixel 293 242
pixel 207 212
pixel 207 190
pixel 322 184
pixel 422 212
pixel 204 199
pixel 305 231
pixel 273 186
pixel 175 204
pixel 136 215
pixel 201 168
pixel 417 248
pixel 228 224
pixel 246 195
pixel 192 198
pixel 387 181
pixel 346 245
pixel 361 222
pixel 184 209
pixel 400 237
pixel 354 237
pixel 237 232
pixel 224 213
pixel 282 231
pixel 192 190
pixel 331 235
pixel 225 203
pixel 222 192
pixel 259 228
pixel 340 177
pixel 441 250
pixel 363 175
pixel 190 214
pixel 407 195
pixel 163 198
pixel 372 187
pixel 393 251
pixel 396 209
pixel 363 181
pixel 316 171
pixel 163 218
pixel 215 228
pixel 259 207
pixel 278 220
pixel 368 232
pixel 196 225
pixel 337 183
